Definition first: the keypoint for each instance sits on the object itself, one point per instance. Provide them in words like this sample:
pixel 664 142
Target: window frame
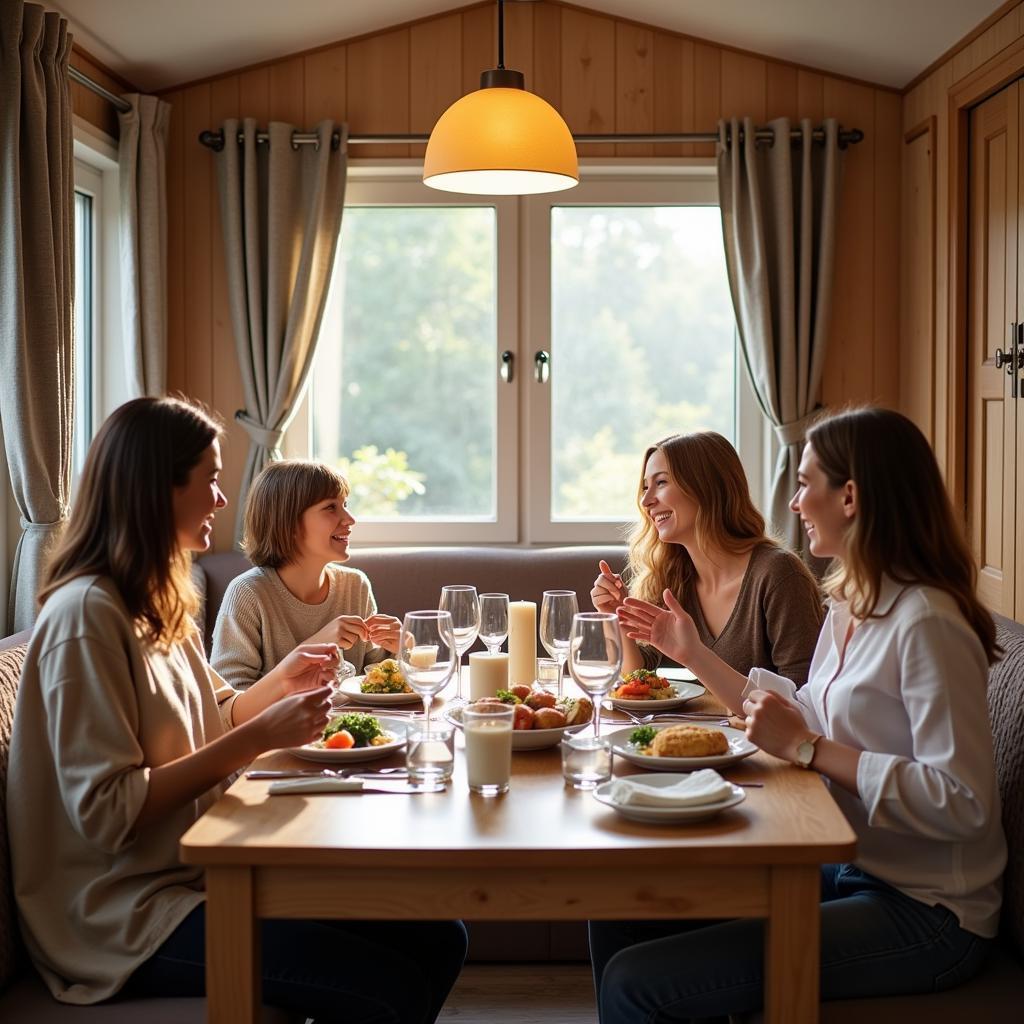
pixel 523 327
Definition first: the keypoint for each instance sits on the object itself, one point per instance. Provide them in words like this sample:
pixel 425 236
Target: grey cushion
pixel 405 579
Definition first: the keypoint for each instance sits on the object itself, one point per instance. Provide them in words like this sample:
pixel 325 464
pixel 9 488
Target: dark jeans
pixel 360 972
pixel 875 941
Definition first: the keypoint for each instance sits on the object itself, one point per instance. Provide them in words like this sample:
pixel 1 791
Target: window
pixel 83 320
pixel 492 369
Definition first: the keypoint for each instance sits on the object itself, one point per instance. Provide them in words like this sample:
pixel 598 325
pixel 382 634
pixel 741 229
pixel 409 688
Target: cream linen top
pixel 910 694
pixel 97 708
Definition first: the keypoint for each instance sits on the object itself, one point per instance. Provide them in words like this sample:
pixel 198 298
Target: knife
pixel 300 786
pixel 325 773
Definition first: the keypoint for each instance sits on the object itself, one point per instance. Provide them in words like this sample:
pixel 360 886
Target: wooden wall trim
pixel 962 44
pixel 988 78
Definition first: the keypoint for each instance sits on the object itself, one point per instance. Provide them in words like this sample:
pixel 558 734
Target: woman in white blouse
pixel 894 715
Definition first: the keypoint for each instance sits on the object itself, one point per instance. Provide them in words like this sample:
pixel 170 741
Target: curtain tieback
pixel 260 434
pixel 28 527
pixel 795 432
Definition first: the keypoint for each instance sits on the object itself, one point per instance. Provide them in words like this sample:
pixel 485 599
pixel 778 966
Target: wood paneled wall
pixel 924 274
pixel 87 104
pixel 604 74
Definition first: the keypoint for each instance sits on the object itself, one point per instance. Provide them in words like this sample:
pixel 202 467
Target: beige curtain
pixel 36 284
pixel 778 204
pixel 141 157
pixel 281 209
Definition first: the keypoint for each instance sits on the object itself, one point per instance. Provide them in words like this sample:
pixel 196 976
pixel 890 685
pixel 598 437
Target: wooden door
pixel 992 307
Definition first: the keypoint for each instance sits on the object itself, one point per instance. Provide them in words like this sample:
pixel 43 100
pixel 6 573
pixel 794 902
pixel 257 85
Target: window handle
pixel 541 366
pixel 508 366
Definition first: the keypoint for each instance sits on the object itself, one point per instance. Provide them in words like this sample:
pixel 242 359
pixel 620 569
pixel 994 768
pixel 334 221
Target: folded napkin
pixel 315 786
pixel 702 787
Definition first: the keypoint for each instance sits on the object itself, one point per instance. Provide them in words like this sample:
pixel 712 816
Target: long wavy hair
pixel 905 526
pixel 707 469
pixel 122 523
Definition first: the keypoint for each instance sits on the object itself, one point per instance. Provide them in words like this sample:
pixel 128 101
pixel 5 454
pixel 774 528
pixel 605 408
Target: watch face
pixel 804 753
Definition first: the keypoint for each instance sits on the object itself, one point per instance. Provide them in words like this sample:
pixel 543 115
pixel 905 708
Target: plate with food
pixel 383 684
pixel 540 718
pixel 644 690
pixel 681 748
pixel 726 795
pixel 355 736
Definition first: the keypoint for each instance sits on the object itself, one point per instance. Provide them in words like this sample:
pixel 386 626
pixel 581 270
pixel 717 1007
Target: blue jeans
pixel 368 972
pixel 875 941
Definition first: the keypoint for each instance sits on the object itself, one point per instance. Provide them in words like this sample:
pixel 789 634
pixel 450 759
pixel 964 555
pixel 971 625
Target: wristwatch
pixel 805 751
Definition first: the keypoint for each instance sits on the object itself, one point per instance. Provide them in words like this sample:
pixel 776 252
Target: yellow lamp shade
pixel 499 141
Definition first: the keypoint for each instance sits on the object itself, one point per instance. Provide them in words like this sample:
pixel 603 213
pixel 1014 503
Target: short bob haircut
pixel 277 499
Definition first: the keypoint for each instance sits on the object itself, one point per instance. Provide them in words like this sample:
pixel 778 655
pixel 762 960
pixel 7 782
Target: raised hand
pixel 344 631
pixel 293 720
pixel 608 591
pixel 384 631
pixel 308 667
pixel 670 629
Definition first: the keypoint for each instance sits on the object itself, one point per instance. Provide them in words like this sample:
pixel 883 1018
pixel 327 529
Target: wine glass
pixel 464 606
pixel 427 652
pixel 556 615
pixel 595 656
pixel 493 621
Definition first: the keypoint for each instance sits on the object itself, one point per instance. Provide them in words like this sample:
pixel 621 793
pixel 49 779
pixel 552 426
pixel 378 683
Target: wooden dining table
pixel 543 851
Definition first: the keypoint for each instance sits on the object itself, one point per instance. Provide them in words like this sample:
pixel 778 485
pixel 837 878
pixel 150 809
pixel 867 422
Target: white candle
pixel 423 656
pixel 522 642
pixel 488 673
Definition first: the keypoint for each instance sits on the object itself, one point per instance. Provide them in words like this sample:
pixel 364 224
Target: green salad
pixel 364 728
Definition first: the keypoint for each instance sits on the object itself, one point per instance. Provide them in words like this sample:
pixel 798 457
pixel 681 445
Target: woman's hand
pixel 608 591
pixel 344 631
pixel 670 629
pixel 384 631
pixel 775 724
pixel 307 667
pixel 293 720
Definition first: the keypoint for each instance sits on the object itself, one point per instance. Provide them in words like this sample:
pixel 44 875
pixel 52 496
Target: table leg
pixel 793 946
pixel 232 948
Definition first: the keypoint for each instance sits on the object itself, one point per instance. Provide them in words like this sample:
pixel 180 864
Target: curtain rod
pixel 215 140
pixel 75 75
pixel 849 137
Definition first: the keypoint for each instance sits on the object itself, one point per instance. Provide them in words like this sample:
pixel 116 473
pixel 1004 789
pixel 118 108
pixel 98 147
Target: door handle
pixel 1009 360
pixel 541 366
pixel 508 366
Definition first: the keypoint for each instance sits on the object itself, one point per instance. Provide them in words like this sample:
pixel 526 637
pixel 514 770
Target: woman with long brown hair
pixel 894 715
pixel 700 537
pixel 123 736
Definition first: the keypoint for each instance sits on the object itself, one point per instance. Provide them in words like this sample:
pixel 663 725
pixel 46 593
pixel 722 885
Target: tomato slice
pixel 635 689
pixel 341 740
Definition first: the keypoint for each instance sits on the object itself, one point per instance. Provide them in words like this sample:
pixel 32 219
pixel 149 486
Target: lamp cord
pixel 501 34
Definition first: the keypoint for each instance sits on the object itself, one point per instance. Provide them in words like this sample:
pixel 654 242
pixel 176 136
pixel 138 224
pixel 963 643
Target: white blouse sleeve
pixel 946 789
pixel 762 679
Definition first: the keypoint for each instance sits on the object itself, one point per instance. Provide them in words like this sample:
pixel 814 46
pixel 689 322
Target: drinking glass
pixel 487 732
pixel 427 653
pixel 595 656
pixel 464 606
pixel 556 614
pixel 493 621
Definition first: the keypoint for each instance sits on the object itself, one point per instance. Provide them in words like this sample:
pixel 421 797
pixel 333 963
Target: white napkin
pixel 315 786
pixel 701 787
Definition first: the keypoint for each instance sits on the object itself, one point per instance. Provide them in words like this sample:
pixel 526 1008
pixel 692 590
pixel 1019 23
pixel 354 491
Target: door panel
pixel 993 239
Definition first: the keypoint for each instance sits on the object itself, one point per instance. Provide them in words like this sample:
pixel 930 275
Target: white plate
pixel 675 672
pixel 739 748
pixel 684 691
pixel 667 815
pixel 350 687
pixel 525 739
pixel 395 726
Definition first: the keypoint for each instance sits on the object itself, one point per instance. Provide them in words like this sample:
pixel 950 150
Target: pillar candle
pixel 488 673
pixel 522 642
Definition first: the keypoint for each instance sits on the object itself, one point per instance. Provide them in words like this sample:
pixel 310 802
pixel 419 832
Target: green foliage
pixel 380 482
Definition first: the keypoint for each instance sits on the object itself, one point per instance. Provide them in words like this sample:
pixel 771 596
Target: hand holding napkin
pixel 702 787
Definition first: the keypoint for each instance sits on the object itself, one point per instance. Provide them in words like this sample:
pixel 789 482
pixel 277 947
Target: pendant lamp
pixel 501 139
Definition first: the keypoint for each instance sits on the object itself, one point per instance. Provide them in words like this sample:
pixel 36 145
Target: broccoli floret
pixel 644 736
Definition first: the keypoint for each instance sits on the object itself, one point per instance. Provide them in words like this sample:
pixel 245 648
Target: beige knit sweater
pixel 97 709
pixel 261 621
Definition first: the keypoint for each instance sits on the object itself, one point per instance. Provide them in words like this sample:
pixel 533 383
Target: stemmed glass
pixel 427 652
pixel 464 606
pixel 556 616
pixel 493 621
pixel 595 656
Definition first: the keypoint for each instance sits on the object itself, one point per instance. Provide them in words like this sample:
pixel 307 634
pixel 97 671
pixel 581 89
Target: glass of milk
pixel 487 731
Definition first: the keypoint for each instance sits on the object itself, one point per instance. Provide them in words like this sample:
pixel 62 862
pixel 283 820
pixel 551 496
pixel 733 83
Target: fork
pixel 327 773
